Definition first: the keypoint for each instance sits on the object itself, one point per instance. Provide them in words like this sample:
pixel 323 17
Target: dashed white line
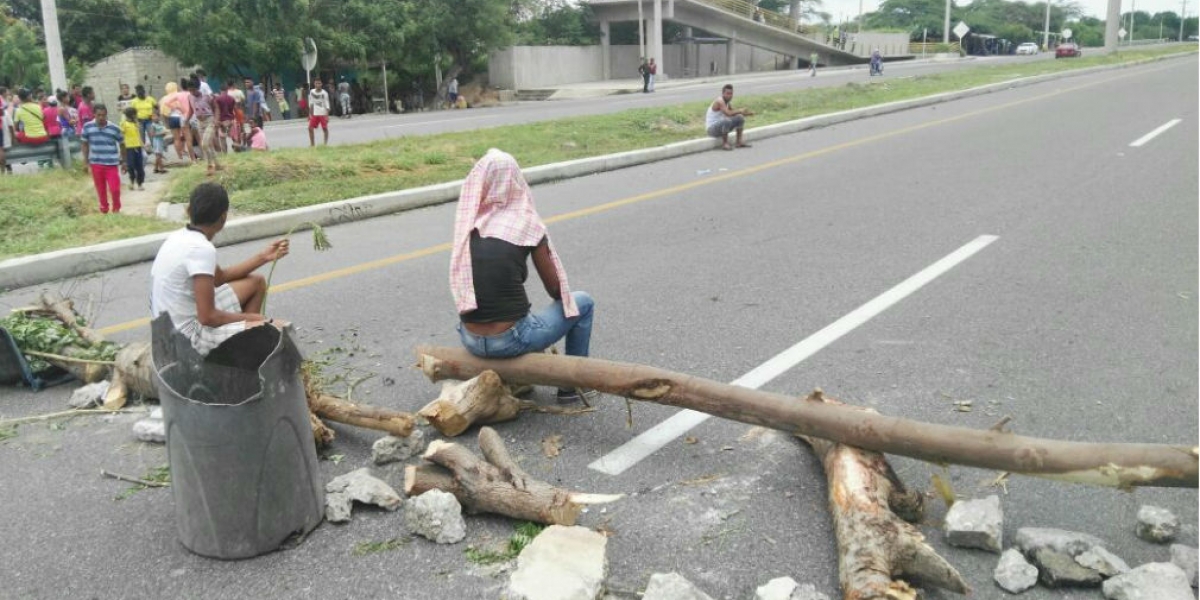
pixel 1153 134
pixel 653 439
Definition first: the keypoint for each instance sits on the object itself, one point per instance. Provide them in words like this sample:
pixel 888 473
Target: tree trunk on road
pixel 868 502
pixel 1117 465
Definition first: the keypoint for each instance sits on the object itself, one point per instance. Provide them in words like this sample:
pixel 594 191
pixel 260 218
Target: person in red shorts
pixel 318 112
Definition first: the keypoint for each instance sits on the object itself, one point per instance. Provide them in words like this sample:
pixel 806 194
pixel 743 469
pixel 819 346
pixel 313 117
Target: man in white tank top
pixel 722 118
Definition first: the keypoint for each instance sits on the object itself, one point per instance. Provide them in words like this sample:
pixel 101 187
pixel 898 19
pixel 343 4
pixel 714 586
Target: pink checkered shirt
pixel 496 200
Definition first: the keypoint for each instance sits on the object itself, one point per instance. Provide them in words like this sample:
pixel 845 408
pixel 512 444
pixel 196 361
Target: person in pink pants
pixel 103 149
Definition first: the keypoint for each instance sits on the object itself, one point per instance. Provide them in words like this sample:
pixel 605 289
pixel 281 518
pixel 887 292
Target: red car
pixel 1068 49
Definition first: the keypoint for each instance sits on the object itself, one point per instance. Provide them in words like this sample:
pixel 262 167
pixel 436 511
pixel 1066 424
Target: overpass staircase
pixel 737 20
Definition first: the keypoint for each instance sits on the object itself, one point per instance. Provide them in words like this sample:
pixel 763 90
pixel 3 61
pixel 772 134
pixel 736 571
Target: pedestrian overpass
pixel 735 20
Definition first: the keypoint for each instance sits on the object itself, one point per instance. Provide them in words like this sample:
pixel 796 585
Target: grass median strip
pixel 53 210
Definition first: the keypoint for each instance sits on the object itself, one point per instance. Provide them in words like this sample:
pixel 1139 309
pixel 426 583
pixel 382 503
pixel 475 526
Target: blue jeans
pixel 537 331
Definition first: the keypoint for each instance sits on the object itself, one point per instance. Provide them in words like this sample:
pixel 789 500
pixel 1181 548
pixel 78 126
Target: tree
pixel 909 15
pixel 557 23
pixel 90 29
pixel 22 57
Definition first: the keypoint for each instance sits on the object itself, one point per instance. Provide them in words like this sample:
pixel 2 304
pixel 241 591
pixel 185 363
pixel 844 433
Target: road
pixel 1075 314
pixel 376 127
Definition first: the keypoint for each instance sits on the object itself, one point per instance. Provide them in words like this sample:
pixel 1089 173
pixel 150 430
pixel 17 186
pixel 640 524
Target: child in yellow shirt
pixel 135 161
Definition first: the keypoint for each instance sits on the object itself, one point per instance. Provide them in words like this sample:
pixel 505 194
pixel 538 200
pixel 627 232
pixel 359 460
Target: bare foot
pixel 726 146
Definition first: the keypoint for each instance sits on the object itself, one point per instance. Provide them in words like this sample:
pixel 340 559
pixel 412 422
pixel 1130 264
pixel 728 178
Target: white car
pixel 1027 48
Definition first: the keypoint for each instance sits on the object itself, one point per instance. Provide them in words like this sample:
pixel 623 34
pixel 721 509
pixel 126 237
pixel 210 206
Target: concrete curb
pixel 74 262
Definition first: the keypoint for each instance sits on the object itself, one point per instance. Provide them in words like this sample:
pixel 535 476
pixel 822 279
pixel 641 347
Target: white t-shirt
pixel 238 96
pixel 318 103
pixel 184 255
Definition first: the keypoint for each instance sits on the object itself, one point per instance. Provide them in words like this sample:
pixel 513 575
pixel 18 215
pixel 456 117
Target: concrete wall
pixel 146 66
pixel 889 44
pixel 534 67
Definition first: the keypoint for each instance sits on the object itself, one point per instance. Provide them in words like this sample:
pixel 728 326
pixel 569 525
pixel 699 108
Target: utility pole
pixel 641 33
pixel 946 25
pixel 1182 16
pixel 54 54
pixel 1046 33
pixel 860 13
pixel 1110 26
pixel 1132 10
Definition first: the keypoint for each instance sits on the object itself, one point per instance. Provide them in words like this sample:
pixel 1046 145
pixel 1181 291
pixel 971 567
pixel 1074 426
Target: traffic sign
pixel 1121 33
pixel 961 29
pixel 1067 33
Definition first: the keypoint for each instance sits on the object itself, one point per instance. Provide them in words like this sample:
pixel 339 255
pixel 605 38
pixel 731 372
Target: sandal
pixel 726 147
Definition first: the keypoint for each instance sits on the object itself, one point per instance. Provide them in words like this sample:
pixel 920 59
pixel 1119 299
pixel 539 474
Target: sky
pixel 1095 8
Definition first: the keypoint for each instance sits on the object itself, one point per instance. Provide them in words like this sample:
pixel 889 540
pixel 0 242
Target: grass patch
pixel 55 210
pixel 8 433
pixel 366 548
pixel 522 535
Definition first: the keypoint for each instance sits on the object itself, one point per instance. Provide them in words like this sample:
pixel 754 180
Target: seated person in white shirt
pixel 208 303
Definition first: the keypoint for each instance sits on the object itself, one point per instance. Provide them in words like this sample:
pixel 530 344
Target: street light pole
pixel 54 53
pixel 1182 16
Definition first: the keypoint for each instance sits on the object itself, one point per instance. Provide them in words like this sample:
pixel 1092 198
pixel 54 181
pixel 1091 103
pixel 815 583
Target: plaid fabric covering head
pixel 496 200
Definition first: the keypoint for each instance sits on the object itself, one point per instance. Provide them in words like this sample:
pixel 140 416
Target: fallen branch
pixel 497 486
pixel 1117 465
pixel 64 310
pixel 65 414
pixel 482 399
pixel 69 359
pixel 127 478
pixel 869 506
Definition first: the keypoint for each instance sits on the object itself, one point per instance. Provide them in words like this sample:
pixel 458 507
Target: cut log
pixel 868 501
pixel 335 409
pixel 1118 465
pixel 498 485
pixel 482 399
pixel 135 365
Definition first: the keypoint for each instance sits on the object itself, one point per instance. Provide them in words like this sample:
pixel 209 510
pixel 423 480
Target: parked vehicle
pixel 1029 48
pixel 1068 49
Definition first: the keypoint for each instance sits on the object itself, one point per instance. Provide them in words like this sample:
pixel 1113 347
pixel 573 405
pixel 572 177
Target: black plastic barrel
pixel 243 463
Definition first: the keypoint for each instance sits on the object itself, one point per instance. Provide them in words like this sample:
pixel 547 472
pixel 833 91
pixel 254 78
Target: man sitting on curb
pixel 722 118
pixel 208 304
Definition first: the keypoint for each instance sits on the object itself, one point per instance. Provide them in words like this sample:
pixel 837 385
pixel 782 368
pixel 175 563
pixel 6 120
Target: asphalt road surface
pixel 1071 307
pixel 366 128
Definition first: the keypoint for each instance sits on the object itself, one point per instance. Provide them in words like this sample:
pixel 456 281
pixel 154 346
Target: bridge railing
pixel 753 12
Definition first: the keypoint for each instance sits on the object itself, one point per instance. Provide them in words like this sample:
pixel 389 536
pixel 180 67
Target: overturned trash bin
pixel 243 463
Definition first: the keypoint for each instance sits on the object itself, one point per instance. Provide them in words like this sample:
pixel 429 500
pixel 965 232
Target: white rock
pixel 1013 573
pixel 1099 559
pixel 156 413
pixel 1185 558
pixel 389 449
pixel 150 430
pixel 1058 540
pixel 561 563
pixel 89 395
pixel 337 507
pixel 1151 581
pixel 359 485
pixel 672 586
pixel 1157 525
pixel 976 524
pixel 780 588
pixel 437 516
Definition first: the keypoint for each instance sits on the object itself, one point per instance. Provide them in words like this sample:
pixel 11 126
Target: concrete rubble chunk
pixel 1013 573
pixel 1157 525
pixel 561 563
pixel 150 430
pixel 89 395
pixel 437 516
pixel 672 586
pixel 786 588
pixel 1151 581
pixel 1185 558
pixel 1030 539
pixel 1057 569
pixel 357 486
pixel 389 449
pixel 1101 560
pixel 976 524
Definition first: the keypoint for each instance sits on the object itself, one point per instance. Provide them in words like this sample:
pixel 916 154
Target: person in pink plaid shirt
pixel 496 231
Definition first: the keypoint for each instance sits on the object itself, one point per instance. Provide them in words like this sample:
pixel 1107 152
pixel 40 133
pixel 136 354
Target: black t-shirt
pixel 499 270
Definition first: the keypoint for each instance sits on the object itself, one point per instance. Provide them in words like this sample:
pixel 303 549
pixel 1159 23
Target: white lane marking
pixel 653 439
pixel 1153 134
